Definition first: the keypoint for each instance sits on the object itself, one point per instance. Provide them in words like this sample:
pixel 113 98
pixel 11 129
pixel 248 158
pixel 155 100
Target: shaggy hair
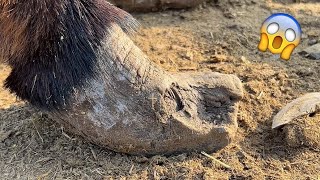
pixel 51 45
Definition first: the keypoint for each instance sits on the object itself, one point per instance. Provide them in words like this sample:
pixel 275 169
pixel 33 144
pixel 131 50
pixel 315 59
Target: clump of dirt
pixel 221 37
pixel 303 132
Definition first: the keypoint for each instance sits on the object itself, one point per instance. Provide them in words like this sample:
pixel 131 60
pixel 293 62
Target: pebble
pixel 141 159
pixel 312 42
pixel 4 135
pixel 312 52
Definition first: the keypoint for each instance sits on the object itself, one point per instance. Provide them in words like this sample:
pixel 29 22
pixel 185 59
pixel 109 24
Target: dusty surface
pixel 155 5
pixel 214 37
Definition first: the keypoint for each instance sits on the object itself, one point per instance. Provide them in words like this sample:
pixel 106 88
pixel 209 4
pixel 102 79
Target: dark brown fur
pixel 52 45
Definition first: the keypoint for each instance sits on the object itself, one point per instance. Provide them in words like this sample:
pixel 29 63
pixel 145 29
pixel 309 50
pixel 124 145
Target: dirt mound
pixel 303 132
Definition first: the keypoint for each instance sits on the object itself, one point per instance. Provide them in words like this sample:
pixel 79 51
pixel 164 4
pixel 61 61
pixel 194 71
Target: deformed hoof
pixel 104 88
pixel 203 119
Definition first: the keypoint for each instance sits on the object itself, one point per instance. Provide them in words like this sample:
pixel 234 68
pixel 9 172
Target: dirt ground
pixel 219 36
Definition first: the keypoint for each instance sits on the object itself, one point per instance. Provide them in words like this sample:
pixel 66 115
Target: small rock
pixel 159 160
pixel 4 135
pixel 162 61
pixel 312 42
pixel 312 52
pixel 217 58
pixel 315 56
pixel 287 167
pixel 183 170
pixel 229 14
pixel 241 155
pixel 282 76
pixel 189 55
pixel 181 157
pixel 244 60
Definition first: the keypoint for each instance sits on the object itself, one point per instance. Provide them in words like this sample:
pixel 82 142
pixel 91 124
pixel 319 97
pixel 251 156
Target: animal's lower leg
pixel 135 107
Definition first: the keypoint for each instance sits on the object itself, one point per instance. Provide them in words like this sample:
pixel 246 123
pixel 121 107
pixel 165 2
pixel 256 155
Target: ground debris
pixel 5 135
pixel 312 52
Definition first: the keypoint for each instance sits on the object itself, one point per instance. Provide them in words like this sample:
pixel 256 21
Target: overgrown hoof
pixel 203 117
pixel 207 120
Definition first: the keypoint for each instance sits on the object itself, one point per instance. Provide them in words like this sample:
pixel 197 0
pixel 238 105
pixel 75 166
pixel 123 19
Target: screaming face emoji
pixel 280 33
